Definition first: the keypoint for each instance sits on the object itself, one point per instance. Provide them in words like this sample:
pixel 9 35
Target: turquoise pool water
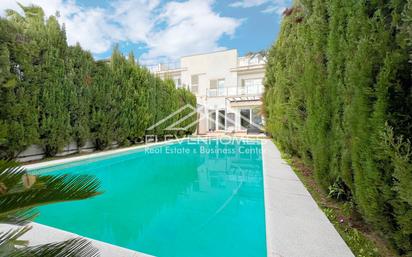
pixel 190 199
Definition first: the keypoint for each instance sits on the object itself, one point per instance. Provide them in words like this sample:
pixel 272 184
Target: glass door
pixel 230 121
pixel 257 116
pixel 221 87
pixel 212 120
pixel 245 119
pixel 221 120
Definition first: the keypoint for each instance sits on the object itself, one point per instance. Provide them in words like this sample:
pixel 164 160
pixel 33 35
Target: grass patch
pixel 361 239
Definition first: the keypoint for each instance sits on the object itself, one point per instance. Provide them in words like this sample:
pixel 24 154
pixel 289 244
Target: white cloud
pixel 168 31
pixel 88 26
pixel 278 9
pixel 91 29
pixel 136 18
pixel 271 6
pixel 191 27
pixel 248 3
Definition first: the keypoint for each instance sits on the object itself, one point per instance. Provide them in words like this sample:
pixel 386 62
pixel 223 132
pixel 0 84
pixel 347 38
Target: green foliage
pixel 77 247
pixel 20 192
pixel 187 117
pixel 52 94
pixel 360 245
pixel 339 191
pixel 338 94
pixel 18 114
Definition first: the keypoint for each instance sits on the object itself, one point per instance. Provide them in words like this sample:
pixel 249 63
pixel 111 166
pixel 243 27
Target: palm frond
pixel 20 218
pixel 10 239
pixel 49 189
pixel 11 246
pixel 5 164
pixel 20 193
pixel 77 247
pixel 10 177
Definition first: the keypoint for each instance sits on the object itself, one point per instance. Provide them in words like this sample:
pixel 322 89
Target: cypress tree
pixel 52 94
pixel 79 67
pixel 103 123
pixel 54 122
pixel 338 95
pixel 18 116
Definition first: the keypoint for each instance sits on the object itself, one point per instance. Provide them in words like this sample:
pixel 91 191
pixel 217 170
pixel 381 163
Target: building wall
pixel 215 66
pixel 210 67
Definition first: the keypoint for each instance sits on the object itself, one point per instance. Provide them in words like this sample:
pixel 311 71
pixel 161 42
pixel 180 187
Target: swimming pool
pixel 183 199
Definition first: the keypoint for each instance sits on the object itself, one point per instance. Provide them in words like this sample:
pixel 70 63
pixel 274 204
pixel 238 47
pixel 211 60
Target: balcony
pixel 251 60
pixel 254 63
pixel 165 67
pixel 233 91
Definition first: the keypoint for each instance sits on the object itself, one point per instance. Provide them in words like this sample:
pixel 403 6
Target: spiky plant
pixel 21 193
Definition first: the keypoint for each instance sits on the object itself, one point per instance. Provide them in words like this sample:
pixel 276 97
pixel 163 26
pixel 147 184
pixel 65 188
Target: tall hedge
pixel 338 94
pixel 52 94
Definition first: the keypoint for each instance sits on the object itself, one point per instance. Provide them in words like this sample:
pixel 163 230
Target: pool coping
pixel 46 164
pixel 295 225
pixel 51 234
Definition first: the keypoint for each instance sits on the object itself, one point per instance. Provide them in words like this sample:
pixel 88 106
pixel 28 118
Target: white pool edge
pixel 42 234
pixel 295 225
pixel 46 164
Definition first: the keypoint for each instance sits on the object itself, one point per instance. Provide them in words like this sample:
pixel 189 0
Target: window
pixel 221 87
pixel 212 120
pixel 230 121
pixel 213 87
pixel 194 81
pixel 221 120
pixel 245 118
pixel 213 84
pixel 242 89
pixel 177 81
pixel 256 116
pixel 217 87
pixel 251 86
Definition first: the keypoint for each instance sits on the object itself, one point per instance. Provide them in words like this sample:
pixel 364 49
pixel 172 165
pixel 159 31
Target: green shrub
pixel 338 94
pixel 53 94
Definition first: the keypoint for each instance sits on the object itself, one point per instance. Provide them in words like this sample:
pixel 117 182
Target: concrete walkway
pixel 295 225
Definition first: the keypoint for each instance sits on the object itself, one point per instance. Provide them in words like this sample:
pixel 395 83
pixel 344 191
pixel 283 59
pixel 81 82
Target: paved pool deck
pixel 295 225
pixel 42 234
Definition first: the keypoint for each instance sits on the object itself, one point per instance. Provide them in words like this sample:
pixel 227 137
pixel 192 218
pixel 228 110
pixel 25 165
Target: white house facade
pixel 228 88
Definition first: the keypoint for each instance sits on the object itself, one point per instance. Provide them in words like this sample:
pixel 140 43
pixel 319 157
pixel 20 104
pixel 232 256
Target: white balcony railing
pixel 164 67
pixel 251 90
pixel 251 60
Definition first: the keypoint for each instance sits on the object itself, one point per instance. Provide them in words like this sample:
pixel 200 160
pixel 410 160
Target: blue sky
pixel 162 31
